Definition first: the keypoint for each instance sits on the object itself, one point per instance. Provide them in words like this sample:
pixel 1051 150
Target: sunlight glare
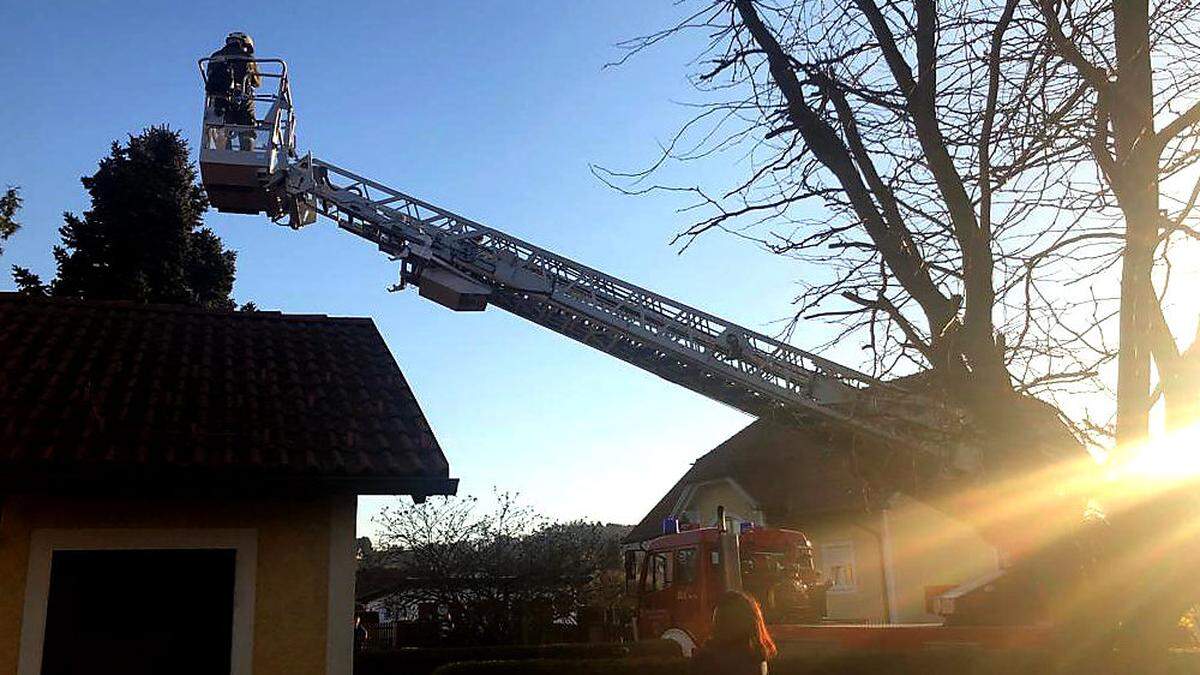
pixel 1173 457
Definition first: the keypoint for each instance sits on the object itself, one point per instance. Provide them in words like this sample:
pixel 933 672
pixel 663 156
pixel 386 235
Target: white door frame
pixel 44 542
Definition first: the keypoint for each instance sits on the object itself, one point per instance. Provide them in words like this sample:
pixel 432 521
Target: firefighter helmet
pixel 238 36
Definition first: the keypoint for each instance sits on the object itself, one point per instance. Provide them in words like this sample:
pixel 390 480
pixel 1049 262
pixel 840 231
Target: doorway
pixel 140 612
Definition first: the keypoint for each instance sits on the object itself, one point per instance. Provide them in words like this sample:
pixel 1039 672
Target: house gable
pixel 784 471
pixel 698 503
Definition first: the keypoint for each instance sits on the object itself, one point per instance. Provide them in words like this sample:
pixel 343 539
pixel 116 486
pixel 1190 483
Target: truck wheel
pixel 686 643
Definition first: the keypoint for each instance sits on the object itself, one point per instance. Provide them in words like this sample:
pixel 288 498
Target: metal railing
pixel 274 130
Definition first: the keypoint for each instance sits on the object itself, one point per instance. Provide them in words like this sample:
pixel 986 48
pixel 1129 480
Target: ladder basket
pixel 248 136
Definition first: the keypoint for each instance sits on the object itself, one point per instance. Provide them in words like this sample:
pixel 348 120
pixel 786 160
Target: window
pixel 685 566
pixel 659 574
pixel 837 562
pixel 631 565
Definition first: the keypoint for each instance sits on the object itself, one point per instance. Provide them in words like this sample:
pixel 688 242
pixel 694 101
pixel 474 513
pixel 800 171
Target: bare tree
pixel 981 187
pixel 1137 61
pixel 920 155
pixel 506 574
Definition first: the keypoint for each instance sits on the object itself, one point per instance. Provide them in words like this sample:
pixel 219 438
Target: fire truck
pixel 467 266
pixel 678 577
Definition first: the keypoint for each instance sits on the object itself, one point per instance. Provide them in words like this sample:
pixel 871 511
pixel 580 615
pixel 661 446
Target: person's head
pixel 738 624
pixel 241 40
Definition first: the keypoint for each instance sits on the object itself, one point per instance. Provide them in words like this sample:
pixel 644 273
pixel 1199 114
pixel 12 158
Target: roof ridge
pixel 21 298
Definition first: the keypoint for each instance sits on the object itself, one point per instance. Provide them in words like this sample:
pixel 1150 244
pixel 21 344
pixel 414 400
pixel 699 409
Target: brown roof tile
pixel 115 389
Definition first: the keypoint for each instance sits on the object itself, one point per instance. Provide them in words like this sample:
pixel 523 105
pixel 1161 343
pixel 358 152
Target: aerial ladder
pixel 467 266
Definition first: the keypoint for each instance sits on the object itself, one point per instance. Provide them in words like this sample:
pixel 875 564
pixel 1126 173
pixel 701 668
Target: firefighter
pixel 231 80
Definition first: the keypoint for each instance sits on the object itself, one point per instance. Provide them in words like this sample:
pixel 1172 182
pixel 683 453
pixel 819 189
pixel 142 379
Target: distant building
pixel 178 487
pixel 884 563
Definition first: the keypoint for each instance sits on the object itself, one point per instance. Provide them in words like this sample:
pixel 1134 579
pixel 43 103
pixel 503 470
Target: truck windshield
pixel 783 583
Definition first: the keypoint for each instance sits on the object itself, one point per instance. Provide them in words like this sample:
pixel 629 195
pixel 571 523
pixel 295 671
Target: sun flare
pixel 1172 457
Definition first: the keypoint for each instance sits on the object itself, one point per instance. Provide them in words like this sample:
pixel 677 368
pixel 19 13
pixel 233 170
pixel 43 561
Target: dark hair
pixel 738 624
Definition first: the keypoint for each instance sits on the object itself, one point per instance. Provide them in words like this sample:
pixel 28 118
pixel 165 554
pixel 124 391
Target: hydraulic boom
pixel 467 266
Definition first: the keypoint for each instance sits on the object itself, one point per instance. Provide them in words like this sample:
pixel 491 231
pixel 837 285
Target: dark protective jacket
pixel 238 75
pixel 233 81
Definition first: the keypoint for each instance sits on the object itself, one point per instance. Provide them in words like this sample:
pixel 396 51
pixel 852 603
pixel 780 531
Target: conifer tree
pixel 143 239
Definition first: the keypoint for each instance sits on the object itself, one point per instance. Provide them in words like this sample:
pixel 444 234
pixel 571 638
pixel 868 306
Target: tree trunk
pixel 1136 184
pixel 1150 604
pixel 1133 360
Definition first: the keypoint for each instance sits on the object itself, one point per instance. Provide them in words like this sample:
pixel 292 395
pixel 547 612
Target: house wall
pixel 840 539
pixel 928 548
pixel 299 543
pixel 922 548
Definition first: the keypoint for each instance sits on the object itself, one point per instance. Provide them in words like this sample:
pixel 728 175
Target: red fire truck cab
pixel 682 574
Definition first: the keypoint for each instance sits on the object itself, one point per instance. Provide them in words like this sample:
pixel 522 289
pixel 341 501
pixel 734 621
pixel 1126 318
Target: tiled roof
pixel 115 390
pixel 788 471
pixel 794 472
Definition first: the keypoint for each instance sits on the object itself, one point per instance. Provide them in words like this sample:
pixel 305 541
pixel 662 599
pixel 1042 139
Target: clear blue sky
pixel 491 109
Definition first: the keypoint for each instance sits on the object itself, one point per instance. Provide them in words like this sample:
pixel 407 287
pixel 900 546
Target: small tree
pixel 143 238
pixel 364 551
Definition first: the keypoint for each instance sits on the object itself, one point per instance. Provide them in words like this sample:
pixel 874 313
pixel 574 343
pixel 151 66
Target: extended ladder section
pixel 467 266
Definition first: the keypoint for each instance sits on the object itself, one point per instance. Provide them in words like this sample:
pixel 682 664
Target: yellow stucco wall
pixel 292 579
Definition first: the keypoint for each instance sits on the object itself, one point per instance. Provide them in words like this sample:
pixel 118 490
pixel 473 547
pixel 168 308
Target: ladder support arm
pixel 465 265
